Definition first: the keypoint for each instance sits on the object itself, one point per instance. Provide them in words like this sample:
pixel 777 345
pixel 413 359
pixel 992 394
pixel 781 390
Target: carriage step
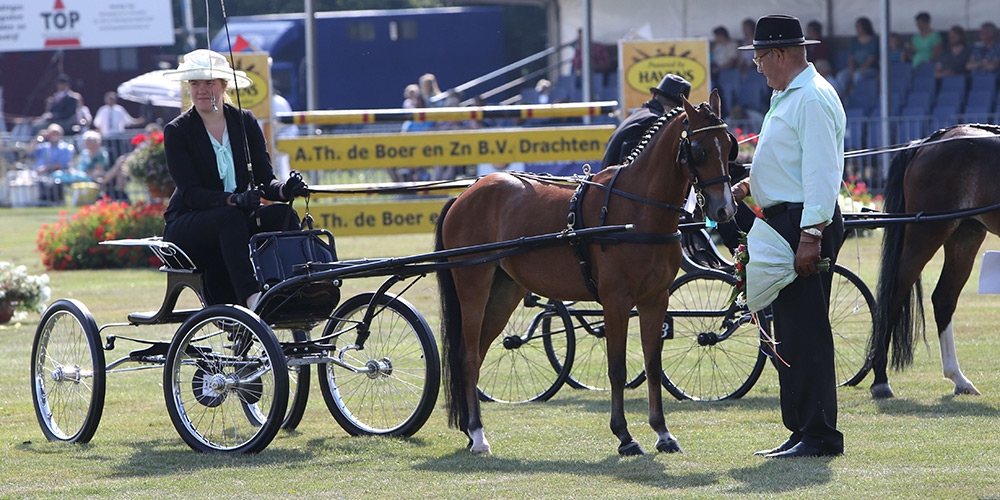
pixel 157 317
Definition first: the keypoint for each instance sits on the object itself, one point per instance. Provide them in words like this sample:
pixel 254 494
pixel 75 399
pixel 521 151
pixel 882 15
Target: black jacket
pixel 628 135
pixel 192 164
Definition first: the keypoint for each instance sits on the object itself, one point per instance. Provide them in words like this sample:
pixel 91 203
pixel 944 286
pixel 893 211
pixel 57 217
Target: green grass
pixel 925 443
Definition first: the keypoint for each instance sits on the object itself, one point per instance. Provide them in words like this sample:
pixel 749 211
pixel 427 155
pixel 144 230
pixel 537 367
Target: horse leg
pixel 959 257
pixel 504 295
pixel 909 269
pixel 651 324
pixel 616 333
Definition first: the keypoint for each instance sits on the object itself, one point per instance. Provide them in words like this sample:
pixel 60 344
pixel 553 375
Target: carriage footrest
pixel 157 317
pixel 155 350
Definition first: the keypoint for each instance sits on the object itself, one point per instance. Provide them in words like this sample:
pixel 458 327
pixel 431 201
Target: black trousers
pixel 801 327
pixel 218 240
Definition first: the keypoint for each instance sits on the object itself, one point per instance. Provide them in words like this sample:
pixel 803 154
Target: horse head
pixel 706 148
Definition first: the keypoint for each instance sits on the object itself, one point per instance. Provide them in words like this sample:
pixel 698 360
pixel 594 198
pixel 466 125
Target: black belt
pixel 780 208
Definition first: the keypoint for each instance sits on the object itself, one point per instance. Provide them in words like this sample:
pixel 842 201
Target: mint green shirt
pixel 800 153
pixel 923 47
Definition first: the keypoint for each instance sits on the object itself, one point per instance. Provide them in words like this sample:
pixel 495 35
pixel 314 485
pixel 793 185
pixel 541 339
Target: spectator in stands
pixel 428 89
pixel 95 162
pixel 410 95
pixel 897 49
pixel 724 53
pixel 925 45
pixel 954 58
pixel 112 118
pixel 986 53
pixel 61 106
pixel 862 59
pixel 544 90
pixel 820 51
pixel 746 61
pixel 51 153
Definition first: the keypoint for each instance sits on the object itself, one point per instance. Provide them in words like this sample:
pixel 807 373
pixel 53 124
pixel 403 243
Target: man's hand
pixel 740 191
pixel 807 255
pixel 249 200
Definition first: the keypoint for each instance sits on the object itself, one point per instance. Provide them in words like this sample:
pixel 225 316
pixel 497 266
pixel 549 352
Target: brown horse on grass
pixel 952 170
pixel 689 145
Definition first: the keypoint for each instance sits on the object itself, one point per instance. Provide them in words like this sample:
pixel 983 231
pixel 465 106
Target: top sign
pixel 84 24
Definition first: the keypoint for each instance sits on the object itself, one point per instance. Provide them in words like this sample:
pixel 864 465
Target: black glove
pixel 294 186
pixel 249 200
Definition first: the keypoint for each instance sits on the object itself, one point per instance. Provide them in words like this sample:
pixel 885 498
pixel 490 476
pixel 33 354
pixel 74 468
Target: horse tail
pixel 453 350
pixel 901 328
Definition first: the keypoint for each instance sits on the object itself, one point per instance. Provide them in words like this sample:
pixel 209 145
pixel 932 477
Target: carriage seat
pixel 181 274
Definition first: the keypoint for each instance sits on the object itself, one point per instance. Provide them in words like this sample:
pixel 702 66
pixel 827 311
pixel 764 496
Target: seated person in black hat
pixel 665 96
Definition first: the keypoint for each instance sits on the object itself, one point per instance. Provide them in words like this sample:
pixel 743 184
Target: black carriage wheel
pixel 225 381
pixel 298 381
pixel 67 373
pixel 391 386
pixel 532 357
pixel 590 362
pixel 851 307
pixel 713 350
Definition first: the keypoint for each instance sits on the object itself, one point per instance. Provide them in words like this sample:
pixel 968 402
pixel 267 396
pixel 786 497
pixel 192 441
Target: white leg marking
pixel 480 446
pixel 949 362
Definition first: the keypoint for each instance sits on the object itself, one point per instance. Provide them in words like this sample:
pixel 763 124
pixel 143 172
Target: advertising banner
pixel 644 63
pixel 28 25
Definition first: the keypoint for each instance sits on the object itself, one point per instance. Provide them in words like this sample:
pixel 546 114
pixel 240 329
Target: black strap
pixel 580 248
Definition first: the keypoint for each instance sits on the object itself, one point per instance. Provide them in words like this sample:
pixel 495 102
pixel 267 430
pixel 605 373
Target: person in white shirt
pixel 112 118
pixel 795 177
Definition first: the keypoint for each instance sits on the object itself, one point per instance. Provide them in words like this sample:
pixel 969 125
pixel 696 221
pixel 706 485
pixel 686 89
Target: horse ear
pixel 716 102
pixel 688 107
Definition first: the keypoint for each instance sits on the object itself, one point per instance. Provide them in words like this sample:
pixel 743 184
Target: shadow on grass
pixel 948 406
pixel 635 400
pixel 644 470
pixel 166 457
pixel 774 476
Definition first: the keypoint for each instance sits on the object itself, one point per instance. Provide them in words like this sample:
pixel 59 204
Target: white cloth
pixel 113 119
pixel 771 266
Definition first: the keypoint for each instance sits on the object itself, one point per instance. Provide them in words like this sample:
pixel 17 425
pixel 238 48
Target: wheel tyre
pixel 399 395
pixel 225 355
pixel 725 367
pixel 298 382
pixel 531 359
pixel 851 308
pixel 67 373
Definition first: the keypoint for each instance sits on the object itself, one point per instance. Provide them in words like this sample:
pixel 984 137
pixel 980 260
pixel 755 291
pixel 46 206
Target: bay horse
pixel 691 145
pixel 953 169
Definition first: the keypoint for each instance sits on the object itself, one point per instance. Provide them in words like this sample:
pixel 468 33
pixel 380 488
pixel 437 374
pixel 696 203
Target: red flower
pixel 138 139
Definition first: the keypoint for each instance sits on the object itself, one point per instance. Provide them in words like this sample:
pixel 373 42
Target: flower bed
pixel 72 243
pixel 21 291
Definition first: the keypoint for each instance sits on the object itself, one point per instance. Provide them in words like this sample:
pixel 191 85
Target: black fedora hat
pixel 672 87
pixel 778 31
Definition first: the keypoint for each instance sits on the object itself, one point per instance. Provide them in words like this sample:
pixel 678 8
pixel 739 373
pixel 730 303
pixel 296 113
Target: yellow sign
pixel 395 217
pixel 446 148
pixel 644 64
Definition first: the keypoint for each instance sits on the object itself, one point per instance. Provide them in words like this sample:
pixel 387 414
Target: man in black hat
pixel 62 105
pixel 795 176
pixel 663 97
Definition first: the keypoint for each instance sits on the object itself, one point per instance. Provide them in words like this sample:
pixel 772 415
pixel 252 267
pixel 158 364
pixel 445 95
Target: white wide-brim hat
pixel 204 64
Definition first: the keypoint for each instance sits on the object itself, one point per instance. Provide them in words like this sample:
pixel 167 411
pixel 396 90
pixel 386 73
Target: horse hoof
pixel 630 449
pixel 668 446
pixel 882 391
pixel 481 450
pixel 967 390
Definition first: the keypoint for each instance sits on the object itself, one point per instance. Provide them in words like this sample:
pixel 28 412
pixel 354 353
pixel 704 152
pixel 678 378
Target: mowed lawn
pixel 926 443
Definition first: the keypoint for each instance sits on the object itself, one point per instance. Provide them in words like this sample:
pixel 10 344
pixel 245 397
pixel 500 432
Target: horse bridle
pixel 693 154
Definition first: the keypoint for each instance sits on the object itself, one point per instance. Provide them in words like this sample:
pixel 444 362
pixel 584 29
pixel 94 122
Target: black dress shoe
pixel 802 450
pixel 787 445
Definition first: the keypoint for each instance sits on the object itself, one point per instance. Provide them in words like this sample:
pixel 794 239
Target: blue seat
pixel 980 97
pixel 983 80
pixel 529 96
pixel 912 124
pixel 919 100
pixel 923 84
pixel 729 86
pixel 953 98
pixel 977 113
pixel 943 116
pixel 864 96
pixel 854 135
pixel 752 91
pixel 840 61
pixel 953 83
pixel 924 69
pixel 902 72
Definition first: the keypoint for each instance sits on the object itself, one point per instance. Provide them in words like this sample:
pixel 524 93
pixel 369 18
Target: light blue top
pixel 800 153
pixel 224 160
